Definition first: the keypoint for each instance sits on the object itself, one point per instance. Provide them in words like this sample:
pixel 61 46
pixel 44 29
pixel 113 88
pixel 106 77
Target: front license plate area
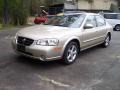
pixel 21 48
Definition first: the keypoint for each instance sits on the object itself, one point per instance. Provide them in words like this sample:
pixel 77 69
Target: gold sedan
pixel 63 37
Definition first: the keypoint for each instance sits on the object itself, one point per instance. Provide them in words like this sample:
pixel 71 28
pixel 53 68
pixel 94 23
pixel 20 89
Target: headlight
pixel 47 42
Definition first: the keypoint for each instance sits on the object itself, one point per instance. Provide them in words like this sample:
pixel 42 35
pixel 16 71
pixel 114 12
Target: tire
pixel 106 42
pixel 117 27
pixel 70 53
pixel 37 22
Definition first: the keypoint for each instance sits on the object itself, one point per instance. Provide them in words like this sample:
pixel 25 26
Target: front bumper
pixel 43 53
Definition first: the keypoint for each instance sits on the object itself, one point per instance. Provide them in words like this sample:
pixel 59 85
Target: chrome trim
pixel 57 57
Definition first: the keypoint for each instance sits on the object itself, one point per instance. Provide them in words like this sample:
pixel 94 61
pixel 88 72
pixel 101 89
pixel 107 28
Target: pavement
pixel 95 69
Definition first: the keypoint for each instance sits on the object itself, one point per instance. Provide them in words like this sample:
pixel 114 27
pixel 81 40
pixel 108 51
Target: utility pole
pixel 6 14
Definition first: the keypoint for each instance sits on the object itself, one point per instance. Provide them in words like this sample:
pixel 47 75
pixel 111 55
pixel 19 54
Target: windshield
pixel 73 21
pixel 112 16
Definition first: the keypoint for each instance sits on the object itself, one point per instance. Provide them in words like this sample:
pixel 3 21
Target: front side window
pixel 91 20
pixel 100 21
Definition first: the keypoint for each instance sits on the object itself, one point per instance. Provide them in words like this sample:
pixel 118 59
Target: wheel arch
pixel 73 39
pixel 115 27
pixel 109 33
pixel 117 24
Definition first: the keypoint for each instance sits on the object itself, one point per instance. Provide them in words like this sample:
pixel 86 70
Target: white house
pixel 90 4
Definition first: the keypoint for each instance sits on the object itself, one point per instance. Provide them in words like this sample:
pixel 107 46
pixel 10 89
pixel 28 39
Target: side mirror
pixel 88 26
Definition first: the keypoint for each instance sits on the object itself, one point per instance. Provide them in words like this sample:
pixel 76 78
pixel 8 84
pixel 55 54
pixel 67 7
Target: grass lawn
pixel 0 26
pixel 8 26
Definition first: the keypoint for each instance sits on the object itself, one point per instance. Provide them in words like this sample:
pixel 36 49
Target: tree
pixel 14 11
pixel 1 10
pixel 17 11
pixel 6 12
pixel 118 3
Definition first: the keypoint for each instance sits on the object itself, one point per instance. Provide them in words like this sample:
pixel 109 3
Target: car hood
pixel 43 31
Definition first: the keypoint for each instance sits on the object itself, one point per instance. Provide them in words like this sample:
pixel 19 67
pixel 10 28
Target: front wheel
pixel 70 53
pixel 106 42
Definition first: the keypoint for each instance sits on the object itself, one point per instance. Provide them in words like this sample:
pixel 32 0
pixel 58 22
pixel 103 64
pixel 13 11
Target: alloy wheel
pixel 72 53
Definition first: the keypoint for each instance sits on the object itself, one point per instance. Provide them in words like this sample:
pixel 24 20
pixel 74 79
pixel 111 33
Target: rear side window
pixel 100 21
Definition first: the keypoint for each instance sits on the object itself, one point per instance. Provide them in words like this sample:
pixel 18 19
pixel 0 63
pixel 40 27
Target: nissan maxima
pixel 63 37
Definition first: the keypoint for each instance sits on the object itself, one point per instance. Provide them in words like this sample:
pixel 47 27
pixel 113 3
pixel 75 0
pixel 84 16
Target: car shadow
pixel 51 64
pixel 37 63
pixel 90 50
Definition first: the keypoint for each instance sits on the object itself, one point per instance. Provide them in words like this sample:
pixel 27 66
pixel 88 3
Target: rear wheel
pixel 71 53
pixel 117 28
pixel 106 42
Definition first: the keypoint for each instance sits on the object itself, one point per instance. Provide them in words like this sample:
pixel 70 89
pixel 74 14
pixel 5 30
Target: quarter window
pixel 100 21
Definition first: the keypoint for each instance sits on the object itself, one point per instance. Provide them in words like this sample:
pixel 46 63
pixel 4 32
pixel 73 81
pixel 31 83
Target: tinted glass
pixel 66 20
pixel 112 16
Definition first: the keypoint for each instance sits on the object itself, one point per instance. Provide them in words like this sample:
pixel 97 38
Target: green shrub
pixel 0 26
pixel 18 11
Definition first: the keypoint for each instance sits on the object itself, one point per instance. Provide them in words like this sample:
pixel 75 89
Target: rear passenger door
pixel 101 28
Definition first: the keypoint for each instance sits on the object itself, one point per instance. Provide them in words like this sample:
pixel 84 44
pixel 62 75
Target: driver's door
pixel 89 35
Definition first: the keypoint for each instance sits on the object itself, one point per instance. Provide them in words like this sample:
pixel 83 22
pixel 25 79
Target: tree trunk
pixel 6 12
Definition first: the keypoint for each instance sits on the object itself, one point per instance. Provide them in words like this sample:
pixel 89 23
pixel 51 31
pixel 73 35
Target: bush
pixel 20 12
pixel 17 11
pixel 0 26
pixel 1 11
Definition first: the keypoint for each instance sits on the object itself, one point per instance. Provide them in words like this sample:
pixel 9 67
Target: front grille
pixel 24 41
